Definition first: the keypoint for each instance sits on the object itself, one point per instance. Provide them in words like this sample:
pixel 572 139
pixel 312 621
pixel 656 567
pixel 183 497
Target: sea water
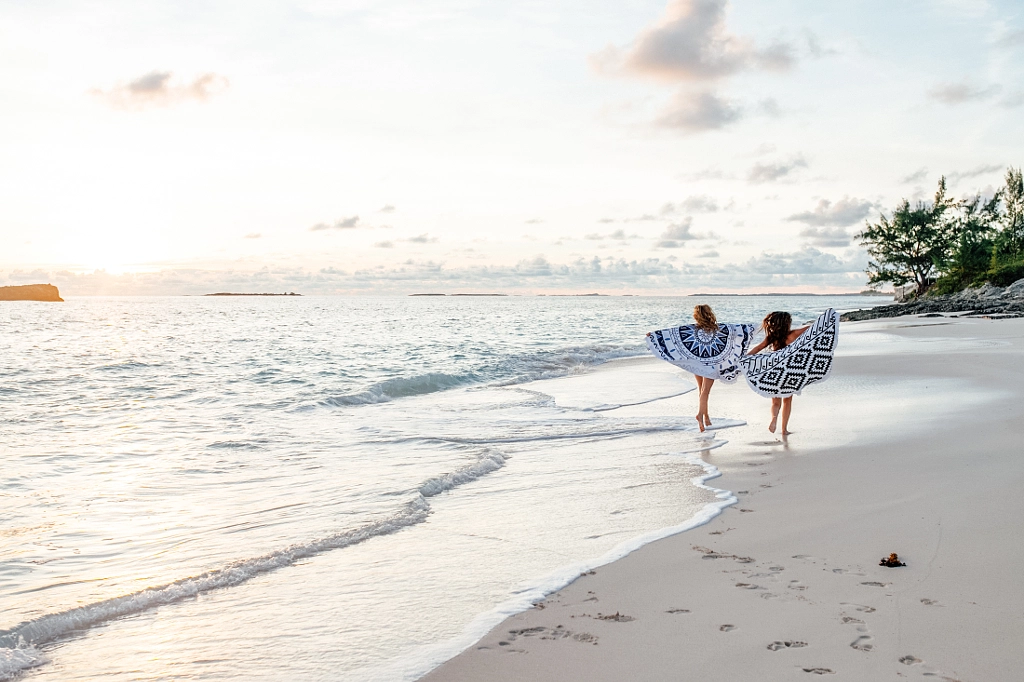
pixel 324 488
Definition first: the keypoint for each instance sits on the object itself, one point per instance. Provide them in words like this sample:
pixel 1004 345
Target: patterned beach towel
pixel 715 355
pixel 806 361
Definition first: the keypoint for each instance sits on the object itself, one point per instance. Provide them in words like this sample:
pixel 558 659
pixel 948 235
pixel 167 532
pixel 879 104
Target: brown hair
pixel 776 329
pixel 705 318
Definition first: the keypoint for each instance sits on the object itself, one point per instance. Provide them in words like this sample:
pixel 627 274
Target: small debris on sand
pixel 892 562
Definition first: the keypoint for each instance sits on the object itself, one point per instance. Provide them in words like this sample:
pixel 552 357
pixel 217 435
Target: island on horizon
pixel 806 293
pixel 31 292
pixel 225 293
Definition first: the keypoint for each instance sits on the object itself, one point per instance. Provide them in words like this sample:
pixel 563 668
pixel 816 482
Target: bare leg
pixel 700 392
pixel 787 406
pixel 705 391
pixel 776 406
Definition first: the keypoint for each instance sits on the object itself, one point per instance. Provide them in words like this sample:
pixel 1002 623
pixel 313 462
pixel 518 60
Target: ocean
pixel 327 488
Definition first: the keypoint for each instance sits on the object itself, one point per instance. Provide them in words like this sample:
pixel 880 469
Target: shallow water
pixel 318 487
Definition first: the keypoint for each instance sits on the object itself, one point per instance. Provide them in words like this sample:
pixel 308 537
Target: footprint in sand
pixel 930 602
pixel 728 627
pixel 860 607
pixel 862 643
pixel 910 660
pixel 678 611
pixel 819 671
pixel 776 646
pixel 551 633
pixel 875 584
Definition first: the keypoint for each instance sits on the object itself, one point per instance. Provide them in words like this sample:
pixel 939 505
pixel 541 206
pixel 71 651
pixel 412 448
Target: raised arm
pixel 758 348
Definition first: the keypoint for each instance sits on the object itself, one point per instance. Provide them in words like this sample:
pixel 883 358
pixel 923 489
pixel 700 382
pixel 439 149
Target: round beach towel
pixel 806 361
pixel 715 355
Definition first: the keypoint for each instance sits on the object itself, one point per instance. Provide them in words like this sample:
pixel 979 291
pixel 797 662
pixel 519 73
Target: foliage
pixel 911 246
pixel 946 245
pixel 969 256
pixel 1006 274
pixel 1009 245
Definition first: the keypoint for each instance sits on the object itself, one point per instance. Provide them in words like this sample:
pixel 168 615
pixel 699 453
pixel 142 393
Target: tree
pixel 970 229
pixel 1009 244
pixel 912 245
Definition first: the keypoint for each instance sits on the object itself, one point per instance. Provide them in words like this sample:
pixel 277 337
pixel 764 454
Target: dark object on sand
pixel 225 293
pixel 892 562
pixel 30 292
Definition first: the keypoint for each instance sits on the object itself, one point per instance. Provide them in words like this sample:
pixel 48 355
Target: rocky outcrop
pixel 30 292
pixel 986 301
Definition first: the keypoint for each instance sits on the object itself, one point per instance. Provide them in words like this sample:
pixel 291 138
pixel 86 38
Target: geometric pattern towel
pixel 806 361
pixel 715 355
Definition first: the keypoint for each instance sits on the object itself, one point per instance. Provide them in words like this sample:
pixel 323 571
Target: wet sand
pixel 914 445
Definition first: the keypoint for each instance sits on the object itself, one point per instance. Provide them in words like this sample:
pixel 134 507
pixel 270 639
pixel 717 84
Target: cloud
pixel 815 48
pixel 422 239
pixel 619 235
pixel 253 235
pixel 919 175
pixel 826 236
pixel 802 270
pixel 691 43
pixel 957 176
pixel 387 209
pixel 159 89
pixel 341 224
pixel 698 112
pixel 699 203
pixel 675 236
pixel 1010 39
pixel 384 245
pixel 534 221
pixel 806 261
pixel 770 172
pixel 844 212
pixel 959 93
pixel 708 254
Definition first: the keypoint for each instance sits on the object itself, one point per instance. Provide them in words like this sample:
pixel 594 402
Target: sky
pixel 555 146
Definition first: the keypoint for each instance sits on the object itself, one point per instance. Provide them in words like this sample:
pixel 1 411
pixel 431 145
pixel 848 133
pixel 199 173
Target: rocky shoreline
pixel 985 301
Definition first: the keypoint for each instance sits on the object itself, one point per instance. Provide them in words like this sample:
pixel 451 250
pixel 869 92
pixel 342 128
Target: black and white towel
pixel 715 355
pixel 806 361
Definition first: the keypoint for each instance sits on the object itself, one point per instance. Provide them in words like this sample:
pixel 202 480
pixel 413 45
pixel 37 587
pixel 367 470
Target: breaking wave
pixel 19 645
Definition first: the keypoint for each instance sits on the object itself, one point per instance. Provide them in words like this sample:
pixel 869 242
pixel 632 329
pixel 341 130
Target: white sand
pixel 914 446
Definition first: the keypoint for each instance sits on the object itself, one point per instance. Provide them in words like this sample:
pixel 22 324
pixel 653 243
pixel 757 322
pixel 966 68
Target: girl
pixel 778 335
pixel 708 323
pixel 707 349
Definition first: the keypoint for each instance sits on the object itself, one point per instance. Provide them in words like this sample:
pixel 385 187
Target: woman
pixel 709 350
pixel 778 335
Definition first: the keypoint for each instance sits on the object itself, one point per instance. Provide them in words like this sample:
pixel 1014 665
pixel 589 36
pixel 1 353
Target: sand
pixel 914 446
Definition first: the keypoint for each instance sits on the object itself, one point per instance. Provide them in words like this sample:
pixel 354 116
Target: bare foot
pixel 700 423
pixel 707 420
pixel 787 433
pixel 771 427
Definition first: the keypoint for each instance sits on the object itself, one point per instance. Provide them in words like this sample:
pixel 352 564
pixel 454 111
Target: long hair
pixel 705 318
pixel 776 329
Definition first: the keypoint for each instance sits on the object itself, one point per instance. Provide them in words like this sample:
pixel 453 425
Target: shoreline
pixel 419 664
pixel 811 599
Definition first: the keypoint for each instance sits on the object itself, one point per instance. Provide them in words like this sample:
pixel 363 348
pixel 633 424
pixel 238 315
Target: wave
pixel 515 370
pixel 403 387
pixel 418 663
pixel 19 645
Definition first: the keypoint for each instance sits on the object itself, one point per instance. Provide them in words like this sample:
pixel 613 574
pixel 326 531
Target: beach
pixel 912 446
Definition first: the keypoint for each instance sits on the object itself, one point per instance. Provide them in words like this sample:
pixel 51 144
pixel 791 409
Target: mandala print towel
pixel 715 355
pixel 805 361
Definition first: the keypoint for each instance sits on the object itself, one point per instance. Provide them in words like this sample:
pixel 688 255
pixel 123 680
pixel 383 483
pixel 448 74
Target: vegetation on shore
pixel 947 245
